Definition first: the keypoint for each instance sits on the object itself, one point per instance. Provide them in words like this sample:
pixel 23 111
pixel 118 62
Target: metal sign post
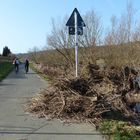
pixel 75 24
pixel 76 44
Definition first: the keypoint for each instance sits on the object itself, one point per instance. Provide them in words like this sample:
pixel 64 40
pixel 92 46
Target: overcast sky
pixel 26 23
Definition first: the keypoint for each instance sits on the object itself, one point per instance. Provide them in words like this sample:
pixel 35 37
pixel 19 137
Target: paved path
pixel 15 124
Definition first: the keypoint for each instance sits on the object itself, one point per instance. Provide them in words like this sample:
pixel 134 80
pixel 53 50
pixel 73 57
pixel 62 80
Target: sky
pixel 25 24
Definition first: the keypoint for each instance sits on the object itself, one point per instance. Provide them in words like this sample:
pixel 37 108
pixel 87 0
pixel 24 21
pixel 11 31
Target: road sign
pixel 72 30
pixel 71 20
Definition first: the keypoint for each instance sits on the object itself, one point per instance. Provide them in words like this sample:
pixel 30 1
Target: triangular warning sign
pixel 71 20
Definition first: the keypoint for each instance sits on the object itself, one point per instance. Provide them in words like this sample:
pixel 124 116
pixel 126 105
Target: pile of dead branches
pixel 89 98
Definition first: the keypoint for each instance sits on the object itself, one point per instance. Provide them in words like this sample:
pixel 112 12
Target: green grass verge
pixel 119 130
pixel 5 69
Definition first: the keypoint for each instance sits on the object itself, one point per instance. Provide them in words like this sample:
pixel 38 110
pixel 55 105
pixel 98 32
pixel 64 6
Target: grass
pixel 5 69
pixel 119 130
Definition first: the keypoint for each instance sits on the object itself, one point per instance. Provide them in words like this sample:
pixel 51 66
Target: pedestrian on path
pixel 26 65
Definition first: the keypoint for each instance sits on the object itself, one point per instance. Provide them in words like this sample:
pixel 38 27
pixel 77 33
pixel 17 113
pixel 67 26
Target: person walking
pixel 26 65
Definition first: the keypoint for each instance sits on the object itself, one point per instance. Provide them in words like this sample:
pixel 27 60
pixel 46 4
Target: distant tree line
pixel 6 51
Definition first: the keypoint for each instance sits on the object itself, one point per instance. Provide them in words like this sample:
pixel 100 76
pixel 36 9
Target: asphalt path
pixel 16 124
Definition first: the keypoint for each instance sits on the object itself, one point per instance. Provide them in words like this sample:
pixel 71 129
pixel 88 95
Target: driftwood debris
pixel 90 98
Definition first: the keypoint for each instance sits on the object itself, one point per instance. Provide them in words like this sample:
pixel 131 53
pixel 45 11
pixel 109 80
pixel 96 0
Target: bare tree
pixel 34 54
pixel 93 30
pixel 111 35
pixel 121 29
pixel 59 40
pixel 136 34
pixel 129 19
pixel 64 43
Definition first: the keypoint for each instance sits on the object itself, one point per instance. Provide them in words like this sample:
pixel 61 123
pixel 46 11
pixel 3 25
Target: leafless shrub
pixel 121 28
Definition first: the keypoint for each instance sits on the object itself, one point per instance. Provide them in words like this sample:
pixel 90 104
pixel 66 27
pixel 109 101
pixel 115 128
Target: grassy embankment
pixel 5 67
pixel 55 65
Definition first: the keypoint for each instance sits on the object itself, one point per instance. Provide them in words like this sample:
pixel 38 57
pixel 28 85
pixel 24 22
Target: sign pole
pixel 76 44
pixel 76 24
